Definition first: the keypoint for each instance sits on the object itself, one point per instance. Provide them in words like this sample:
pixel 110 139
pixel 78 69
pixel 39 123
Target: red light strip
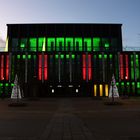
pixel 45 68
pixel 89 67
pixel 127 71
pixel 40 67
pixel 2 68
pixel 121 67
pixel 84 73
pixel 7 67
pixel 84 67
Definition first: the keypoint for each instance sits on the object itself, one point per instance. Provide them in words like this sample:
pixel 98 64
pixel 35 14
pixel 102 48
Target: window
pixel 23 44
pixel 15 44
pixel 41 44
pixel 7 67
pixel 96 44
pixel 45 67
pixel 105 44
pixel 126 68
pixel 50 44
pixel 78 44
pixel 132 67
pixel 87 44
pixel 40 67
pixel 2 67
pixel 89 67
pixel 69 44
pixel 114 44
pixel 59 44
pixel 33 44
pixel 137 66
pixel 84 67
pixel 121 67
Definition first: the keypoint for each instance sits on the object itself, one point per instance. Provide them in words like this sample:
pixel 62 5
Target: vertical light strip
pixel 6 48
pixel 127 71
pixel 40 67
pixel 118 59
pixel 106 90
pixel 10 56
pixel 89 67
pixel 26 67
pixel 95 90
pixel 70 66
pixel 132 67
pixel 135 66
pixel 7 67
pixel 121 67
pixel 2 68
pixel 44 45
pixel 101 89
pixel 59 67
pixel 103 62
pixel 84 67
pixel 45 67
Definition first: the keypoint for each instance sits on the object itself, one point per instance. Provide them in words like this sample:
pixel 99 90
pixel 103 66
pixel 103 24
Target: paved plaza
pixel 75 118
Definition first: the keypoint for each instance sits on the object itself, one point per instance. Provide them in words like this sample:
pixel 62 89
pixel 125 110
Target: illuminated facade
pixel 68 60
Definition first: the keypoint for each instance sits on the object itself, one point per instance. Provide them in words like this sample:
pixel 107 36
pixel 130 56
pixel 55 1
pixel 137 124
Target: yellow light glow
pixel 44 44
pixel 6 47
pixel 95 90
pixel 106 90
pixel 101 89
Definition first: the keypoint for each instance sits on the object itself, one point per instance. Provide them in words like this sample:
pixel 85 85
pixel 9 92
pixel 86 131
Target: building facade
pixel 68 60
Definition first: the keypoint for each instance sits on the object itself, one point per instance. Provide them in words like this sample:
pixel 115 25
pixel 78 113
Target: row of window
pixel 125 66
pixel 63 44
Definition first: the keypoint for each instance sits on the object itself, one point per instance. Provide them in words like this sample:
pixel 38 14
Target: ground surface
pixel 70 119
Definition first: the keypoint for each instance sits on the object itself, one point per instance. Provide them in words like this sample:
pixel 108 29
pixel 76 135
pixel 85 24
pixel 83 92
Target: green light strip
pixel 33 44
pixel 132 67
pixel 78 41
pixel 87 41
pixel 137 66
pixel 40 43
pixel 50 44
pixel 69 44
pixel 62 44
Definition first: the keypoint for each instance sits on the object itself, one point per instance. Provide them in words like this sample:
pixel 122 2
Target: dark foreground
pixel 70 119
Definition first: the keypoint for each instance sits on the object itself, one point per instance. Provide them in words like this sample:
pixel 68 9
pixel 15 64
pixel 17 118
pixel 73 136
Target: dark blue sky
pixel 85 11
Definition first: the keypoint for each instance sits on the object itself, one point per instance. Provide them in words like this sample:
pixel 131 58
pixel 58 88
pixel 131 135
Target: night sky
pixel 126 12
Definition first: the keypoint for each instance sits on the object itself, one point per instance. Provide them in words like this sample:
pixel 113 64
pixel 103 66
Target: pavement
pixel 74 118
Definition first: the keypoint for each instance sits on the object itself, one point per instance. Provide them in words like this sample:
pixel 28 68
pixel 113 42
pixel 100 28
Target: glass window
pixel 59 44
pixel 69 44
pixel 15 44
pixel 132 67
pixel 96 44
pixel 105 44
pixel 114 44
pixel 87 44
pixel 23 44
pixel 137 67
pixel 41 44
pixel 2 67
pixel 78 44
pixel 50 44
pixel 33 44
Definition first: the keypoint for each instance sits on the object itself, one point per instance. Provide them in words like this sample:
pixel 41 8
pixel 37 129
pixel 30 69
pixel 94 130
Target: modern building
pixel 68 60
